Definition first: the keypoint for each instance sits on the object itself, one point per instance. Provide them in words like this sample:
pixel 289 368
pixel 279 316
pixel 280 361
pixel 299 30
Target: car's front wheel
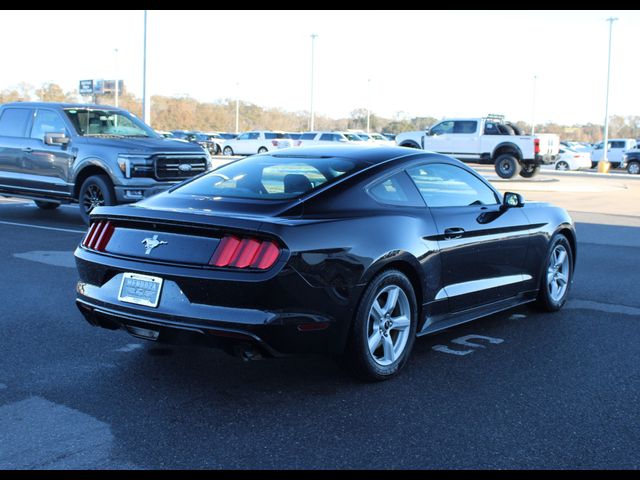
pixel 96 191
pixel 262 150
pixel 562 165
pixel 557 274
pixel 633 168
pixel 384 327
pixel 228 151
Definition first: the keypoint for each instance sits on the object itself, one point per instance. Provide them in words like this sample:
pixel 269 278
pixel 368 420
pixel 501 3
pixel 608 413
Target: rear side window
pixel 13 122
pixel 269 177
pixel 465 126
pixel 396 190
pixel 617 144
pixel 307 136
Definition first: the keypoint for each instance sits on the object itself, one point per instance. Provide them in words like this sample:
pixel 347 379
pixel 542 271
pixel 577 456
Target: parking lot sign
pixel 86 87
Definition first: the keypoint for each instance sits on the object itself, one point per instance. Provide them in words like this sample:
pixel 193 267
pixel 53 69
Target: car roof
pixel 59 104
pixel 366 153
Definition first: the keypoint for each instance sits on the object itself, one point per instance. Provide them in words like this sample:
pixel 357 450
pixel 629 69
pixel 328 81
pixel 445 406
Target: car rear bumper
pixel 546 158
pixel 177 319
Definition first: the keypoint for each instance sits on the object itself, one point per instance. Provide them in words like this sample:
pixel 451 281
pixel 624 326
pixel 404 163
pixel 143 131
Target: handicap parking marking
pixel 130 347
pixel 466 341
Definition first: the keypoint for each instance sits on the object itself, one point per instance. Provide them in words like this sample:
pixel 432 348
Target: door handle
pixel 454 232
pixel 27 150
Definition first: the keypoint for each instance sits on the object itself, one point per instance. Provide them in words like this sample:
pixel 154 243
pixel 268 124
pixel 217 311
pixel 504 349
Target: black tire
pixel 507 166
pixel 505 129
pixel 46 205
pixel 528 170
pixel 96 190
pixel 262 150
pixel 562 165
pixel 633 168
pixel 228 151
pixel 217 150
pixel 516 129
pixel 545 300
pixel 357 356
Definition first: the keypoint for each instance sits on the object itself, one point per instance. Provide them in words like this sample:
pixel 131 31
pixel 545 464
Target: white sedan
pixel 569 159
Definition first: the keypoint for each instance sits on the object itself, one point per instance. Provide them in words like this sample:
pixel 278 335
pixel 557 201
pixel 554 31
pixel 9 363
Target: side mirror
pixel 428 132
pixel 55 139
pixel 512 200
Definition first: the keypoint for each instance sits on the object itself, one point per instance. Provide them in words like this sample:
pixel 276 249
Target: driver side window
pixel 442 128
pixel 47 121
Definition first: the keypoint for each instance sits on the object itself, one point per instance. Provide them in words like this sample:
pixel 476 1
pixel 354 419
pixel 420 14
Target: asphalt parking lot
pixel 518 389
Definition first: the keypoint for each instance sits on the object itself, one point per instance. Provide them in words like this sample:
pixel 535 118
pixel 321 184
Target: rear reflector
pixel 536 145
pixel 246 252
pixel 98 236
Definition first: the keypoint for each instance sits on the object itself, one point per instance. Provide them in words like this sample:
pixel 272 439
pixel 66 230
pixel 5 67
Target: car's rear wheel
pixel 507 166
pixel 384 327
pixel 529 170
pixel 46 205
pixel 228 151
pixel 262 150
pixel 557 275
pixel 562 165
pixel 96 191
pixel 633 168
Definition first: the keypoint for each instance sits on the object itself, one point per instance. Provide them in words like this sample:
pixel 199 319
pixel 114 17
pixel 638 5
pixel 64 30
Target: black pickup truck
pixel 94 155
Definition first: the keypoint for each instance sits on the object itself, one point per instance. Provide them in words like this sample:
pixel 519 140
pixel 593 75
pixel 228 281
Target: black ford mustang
pixel 351 251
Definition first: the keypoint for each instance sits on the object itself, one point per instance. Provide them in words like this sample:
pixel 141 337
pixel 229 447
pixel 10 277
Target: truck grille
pixel 179 167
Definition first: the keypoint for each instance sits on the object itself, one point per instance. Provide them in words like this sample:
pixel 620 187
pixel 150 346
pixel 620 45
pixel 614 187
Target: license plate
pixel 140 289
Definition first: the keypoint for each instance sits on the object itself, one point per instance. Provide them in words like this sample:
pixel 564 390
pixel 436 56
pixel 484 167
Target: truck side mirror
pixel 55 139
pixel 512 200
pixel 428 132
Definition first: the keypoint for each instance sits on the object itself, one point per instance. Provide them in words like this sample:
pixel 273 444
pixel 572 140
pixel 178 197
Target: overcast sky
pixel 418 63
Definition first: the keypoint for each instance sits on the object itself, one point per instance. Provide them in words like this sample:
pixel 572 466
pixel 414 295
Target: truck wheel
pixel 96 191
pixel 633 168
pixel 507 166
pixel 46 205
pixel 529 170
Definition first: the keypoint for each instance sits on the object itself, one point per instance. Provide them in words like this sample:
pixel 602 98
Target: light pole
pixel 116 58
pixel 146 105
pixel 533 107
pixel 237 105
pixel 368 102
pixel 313 44
pixel 603 164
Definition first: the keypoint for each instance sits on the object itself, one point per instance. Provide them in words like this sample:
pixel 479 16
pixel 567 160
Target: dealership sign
pixel 86 87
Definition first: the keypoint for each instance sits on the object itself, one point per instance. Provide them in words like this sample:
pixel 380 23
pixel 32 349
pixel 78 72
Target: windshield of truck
pixel 90 122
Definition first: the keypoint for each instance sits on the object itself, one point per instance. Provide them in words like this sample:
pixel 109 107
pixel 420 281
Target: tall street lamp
pixel 533 107
pixel 116 62
pixel 237 105
pixel 313 44
pixel 603 164
pixel 146 105
pixel 368 102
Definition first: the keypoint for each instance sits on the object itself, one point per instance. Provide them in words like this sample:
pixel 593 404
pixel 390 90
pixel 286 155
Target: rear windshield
pixel 270 177
pixel 272 135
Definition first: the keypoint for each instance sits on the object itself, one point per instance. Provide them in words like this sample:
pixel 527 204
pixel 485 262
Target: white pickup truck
pixel 487 139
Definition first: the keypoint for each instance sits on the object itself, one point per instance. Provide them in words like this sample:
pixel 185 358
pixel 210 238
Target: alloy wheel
pixel 93 197
pixel 388 325
pixel 558 273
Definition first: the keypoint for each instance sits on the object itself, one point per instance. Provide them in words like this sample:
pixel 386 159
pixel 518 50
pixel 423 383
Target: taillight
pixel 245 252
pixel 536 145
pixel 98 236
pixel 274 143
pixel 298 143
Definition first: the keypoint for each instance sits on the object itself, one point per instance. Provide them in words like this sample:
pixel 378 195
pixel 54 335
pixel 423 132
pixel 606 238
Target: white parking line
pixel 43 227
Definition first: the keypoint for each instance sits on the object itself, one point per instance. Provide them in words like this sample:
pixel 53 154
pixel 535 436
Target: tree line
pixel 186 113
